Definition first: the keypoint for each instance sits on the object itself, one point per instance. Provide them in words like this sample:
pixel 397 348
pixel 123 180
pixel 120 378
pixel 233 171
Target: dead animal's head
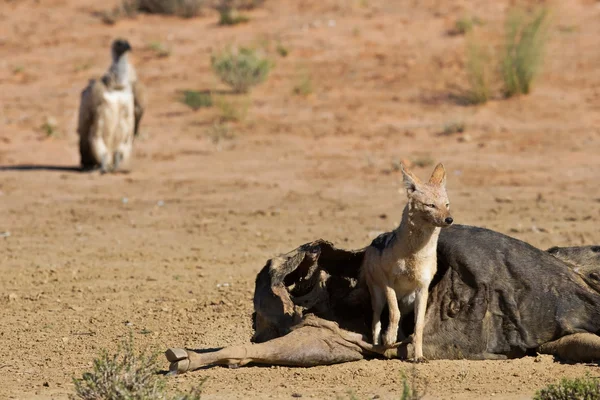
pixel 120 47
pixel 428 201
pixel 585 260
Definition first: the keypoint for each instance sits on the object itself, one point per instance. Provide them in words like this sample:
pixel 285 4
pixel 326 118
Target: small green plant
pixel 196 100
pixel 18 69
pixel 454 127
pixel 231 111
pixel 49 127
pixel 241 69
pixel 130 8
pixel 127 375
pixel 231 16
pixel 180 8
pixel 282 50
pixel 409 390
pixel 479 73
pixel 568 389
pixel 304 86
pixel 125 9
pixel 423 161
pixel 463 25
pixel 568 28
pixel 244 4
pixel 160 49
pixel 219 132
pixel 83 66
pixel 229 12
pixel 526 37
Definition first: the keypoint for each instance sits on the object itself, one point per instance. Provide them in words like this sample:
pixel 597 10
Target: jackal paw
pixel 419 360
pixel 118 157
pixel 104 167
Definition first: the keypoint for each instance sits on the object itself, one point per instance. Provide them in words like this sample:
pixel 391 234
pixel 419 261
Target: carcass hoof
pixel 180 362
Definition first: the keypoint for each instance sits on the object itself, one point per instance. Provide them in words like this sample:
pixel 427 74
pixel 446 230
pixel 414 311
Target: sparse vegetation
pixel 231 110
pixel 454 127
pixel 49 127
pixel 125 9
pixel 463 25
pixel 526 36
pixel 422 161
pixel 197 100
pixel 282 50
pixel 126 375
pixel 231 16
pixel 18 69
pixel 304 87
pixel 130 8
pixel 83 66
pixel 479 73
pixel 409 390
pixel 568 28
pixel 228 9
pixel 180 8
pixel 242 68
pixel 220 132
pixel 160 49
pixel 568 389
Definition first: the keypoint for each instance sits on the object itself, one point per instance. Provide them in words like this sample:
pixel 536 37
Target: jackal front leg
pixel 392 331
pixel 420 308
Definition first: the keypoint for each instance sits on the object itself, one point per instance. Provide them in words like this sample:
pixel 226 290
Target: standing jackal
pixel 402 268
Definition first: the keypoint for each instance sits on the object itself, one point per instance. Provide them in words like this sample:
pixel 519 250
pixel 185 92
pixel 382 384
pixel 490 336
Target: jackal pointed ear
pixel 438 177
pixel 411 182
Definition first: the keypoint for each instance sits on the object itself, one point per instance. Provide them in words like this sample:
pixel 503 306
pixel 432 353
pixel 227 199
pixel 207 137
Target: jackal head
pixel 428 201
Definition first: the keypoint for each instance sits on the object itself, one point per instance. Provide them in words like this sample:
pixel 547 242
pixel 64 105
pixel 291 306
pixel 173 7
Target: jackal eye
pixel 430 205
pixel 447 205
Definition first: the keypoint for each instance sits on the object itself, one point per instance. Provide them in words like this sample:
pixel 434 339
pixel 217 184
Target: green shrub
pixel 160 49
pixel 453 127
pixel 126 376
pixel 231 110
pixel 282 50
pixel 241 69
pixel 239 4
pixel 196 100
pixel 229 11
pixel 463 25
pixel 479 73
pixel 228 16
pixel 587 388
pixel 304 87
pixel 220 132
pixel 181 8
pixel 526 37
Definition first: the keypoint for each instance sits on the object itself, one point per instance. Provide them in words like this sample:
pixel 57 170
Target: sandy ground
pixel 170 250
